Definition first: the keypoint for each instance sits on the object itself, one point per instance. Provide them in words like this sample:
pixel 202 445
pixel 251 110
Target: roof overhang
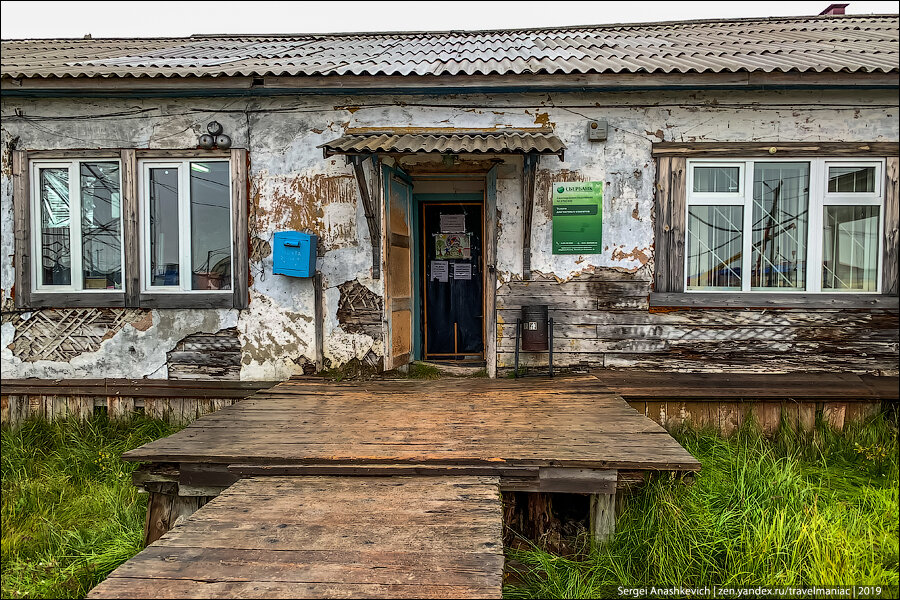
pixel 106 87
pixel 402 141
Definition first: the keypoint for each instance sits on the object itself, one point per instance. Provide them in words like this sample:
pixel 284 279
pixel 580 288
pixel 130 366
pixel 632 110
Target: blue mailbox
pixel 294 253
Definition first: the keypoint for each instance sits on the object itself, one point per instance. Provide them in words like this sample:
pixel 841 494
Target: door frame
pixel 490 242
pixel 420 276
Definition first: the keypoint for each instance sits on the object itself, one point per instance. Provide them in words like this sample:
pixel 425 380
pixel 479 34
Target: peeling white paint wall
pixel 293 186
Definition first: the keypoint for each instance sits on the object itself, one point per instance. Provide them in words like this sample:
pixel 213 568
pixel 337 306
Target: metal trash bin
pixel 535 336
pixel 534 333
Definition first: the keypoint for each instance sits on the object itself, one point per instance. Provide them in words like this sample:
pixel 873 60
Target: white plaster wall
pixel 293 186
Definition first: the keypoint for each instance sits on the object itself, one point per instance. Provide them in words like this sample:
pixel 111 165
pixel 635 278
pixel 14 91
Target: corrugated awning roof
pixel 486 142
pixel 851 43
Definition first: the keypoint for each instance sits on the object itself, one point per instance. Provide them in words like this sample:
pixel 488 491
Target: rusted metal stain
pixel 638 254
pixel 321 204
pixel 543 180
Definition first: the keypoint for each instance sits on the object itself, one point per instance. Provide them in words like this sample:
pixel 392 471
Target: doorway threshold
pixel 456 367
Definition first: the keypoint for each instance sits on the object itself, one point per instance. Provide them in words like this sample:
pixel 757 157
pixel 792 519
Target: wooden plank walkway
pixel 328 537
pixel 572 422
pixel 635 385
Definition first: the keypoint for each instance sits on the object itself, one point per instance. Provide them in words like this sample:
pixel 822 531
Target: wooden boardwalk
pixel 573 421
pixel 333 537
pixel 378 488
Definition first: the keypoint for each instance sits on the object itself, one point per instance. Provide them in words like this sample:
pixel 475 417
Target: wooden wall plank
pixel 131 238
pixel 662 210
pixel 772 300
pixel 891 226
pixel 764 149
pixel 240 214
pixel 669 226
pixel 21 228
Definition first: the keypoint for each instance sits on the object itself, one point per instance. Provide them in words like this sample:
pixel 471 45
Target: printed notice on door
pixel 577 217
pixel 440 270
pixel 453 223
pixel 462 270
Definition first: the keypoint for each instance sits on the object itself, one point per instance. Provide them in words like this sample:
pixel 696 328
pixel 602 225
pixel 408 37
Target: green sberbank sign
pixel 577 217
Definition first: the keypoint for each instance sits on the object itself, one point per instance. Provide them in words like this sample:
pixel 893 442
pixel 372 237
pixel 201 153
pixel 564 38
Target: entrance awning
pixel 480 142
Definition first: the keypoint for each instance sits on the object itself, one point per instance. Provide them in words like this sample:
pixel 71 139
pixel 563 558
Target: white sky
pixel 152 19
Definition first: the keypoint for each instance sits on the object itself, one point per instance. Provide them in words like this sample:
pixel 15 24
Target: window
pixel 186 210
pixel 784 225
pixel 77 219
pixel 130 228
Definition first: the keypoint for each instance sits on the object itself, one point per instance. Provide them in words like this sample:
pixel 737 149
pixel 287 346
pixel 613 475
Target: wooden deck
pixel 334 537
pixel 378 488
pixel 565 422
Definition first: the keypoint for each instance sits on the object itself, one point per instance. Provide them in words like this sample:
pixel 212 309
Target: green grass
pixel 797 510
pixel 419 370
pixel 70 513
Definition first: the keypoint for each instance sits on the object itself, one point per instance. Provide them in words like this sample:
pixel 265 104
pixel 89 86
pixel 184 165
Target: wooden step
pixel 328 537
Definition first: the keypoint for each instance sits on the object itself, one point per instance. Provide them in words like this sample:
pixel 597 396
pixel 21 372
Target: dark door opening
pixel 452 235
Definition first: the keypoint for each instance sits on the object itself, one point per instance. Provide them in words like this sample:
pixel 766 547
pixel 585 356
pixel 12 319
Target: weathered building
pixel 749 175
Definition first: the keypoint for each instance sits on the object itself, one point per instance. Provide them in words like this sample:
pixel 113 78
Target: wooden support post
pixel 319 310
pixel 21 228
pixel 368 209
pixel 131 228
pixel 602 518
pixel 528 177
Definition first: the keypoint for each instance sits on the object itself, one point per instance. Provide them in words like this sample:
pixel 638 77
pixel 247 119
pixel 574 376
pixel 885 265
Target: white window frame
pixel 185 270
pixel 718 198
pixel 819 198
pixel 75 241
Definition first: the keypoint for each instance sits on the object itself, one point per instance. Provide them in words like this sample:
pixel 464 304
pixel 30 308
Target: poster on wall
pixel 452 245
pixel 577 217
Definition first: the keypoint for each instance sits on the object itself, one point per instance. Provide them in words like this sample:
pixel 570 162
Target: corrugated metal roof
pixel 824 43
pixel 487 142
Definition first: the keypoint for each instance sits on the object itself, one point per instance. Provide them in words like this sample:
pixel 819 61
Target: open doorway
pixel 450 270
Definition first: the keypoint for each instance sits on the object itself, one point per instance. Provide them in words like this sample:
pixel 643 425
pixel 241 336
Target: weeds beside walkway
pixel 819 509
pixel 70 513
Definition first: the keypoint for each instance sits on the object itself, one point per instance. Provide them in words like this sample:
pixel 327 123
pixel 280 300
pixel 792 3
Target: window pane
pixel 851 179
pixel 780 225
pixel 164 257
pixel 851 248
pixel 56 249
pixel 101 226
pixel 714 247
pixel 717 179
pixel 210 226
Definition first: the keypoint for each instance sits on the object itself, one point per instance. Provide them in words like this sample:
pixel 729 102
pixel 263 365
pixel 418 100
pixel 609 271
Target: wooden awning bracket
pixel 529 168
pixel 368 208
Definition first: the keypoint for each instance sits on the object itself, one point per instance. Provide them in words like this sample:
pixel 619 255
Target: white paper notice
pixel 440 271
pixel 462 270
pixel 453 223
